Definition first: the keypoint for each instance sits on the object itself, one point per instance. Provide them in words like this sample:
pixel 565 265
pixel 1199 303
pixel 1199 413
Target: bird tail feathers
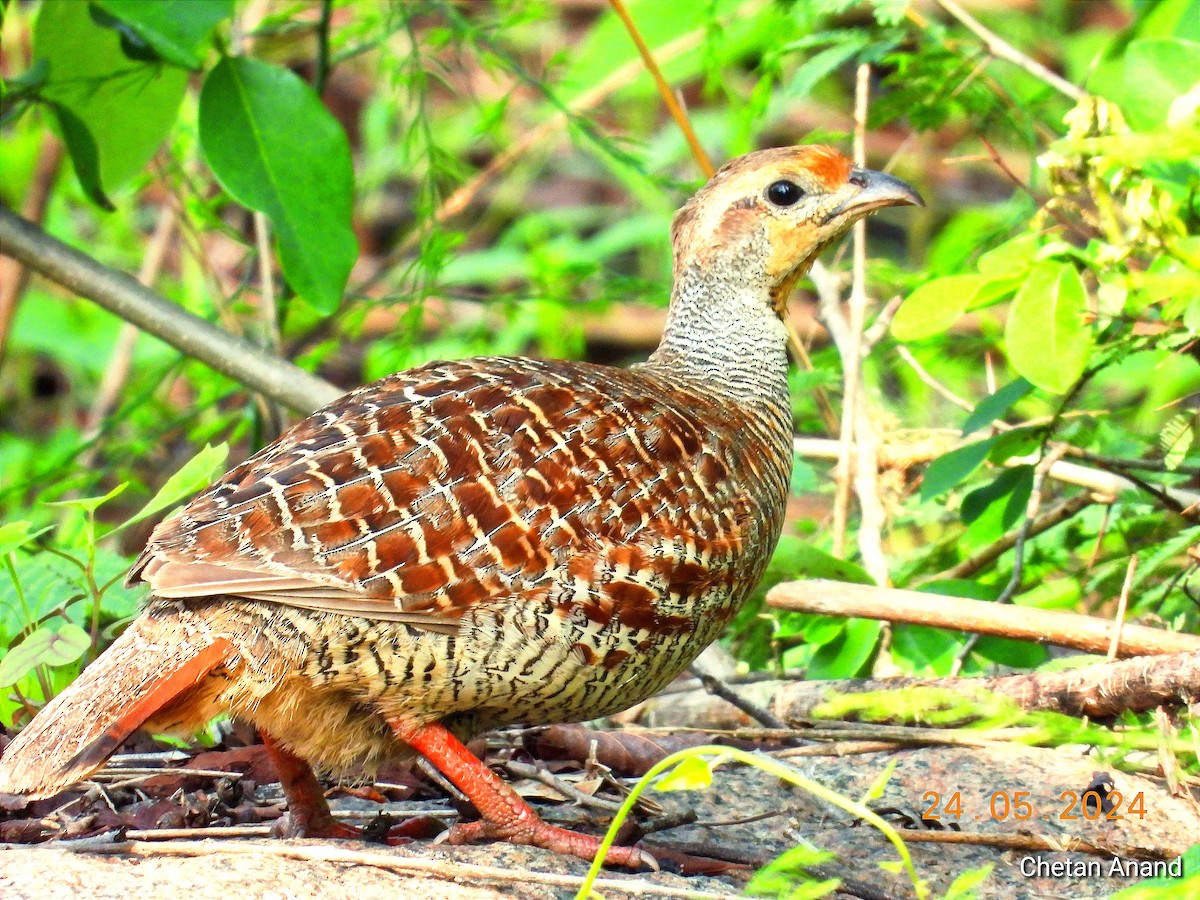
pixel 153 663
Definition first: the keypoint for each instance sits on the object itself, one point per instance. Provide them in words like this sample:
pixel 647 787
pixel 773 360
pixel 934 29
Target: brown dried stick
pixel 833 598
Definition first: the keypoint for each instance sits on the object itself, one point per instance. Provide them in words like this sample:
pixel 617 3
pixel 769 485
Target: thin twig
pixel 804 361
pixel 852 351
pixel 718 688
pixel 996 158
pixel 1122 605
pixel 123 295
pixel 566 790
pixel 1049 458
pixel 1001 49
pixel 537 137
pixel 664 90
pixel 321 75
pixel 116 373
pixel 969 567
pixel 1090 634
pixel 923 374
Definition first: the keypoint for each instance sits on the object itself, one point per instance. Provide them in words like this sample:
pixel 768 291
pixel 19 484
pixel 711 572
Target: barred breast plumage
pixel 476 543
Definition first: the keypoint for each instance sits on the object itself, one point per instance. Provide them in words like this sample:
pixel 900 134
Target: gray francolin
pixel 477 543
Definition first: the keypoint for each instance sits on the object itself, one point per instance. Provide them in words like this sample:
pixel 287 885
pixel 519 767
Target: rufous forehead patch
pixel 826 165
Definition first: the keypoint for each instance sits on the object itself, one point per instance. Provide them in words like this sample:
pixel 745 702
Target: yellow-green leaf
pixel 1047 338
pixel 692 774
pixel 935 306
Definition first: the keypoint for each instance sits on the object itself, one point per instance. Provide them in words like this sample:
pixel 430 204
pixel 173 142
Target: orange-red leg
pixel 308 810
pixel 505 816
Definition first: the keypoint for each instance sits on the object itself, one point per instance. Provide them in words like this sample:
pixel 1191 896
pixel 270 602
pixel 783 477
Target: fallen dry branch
pixel 1092 635
pixel 1102 690
pixel 442 869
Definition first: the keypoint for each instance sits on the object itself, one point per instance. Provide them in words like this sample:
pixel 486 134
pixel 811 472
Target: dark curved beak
pixel 876 190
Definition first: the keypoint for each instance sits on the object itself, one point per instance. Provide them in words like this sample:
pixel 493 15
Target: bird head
pixel 765 216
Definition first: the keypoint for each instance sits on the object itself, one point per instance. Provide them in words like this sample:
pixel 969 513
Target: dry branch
pixel 442 869
pixel 1092 635
pixel 1101 690
pixel 126 297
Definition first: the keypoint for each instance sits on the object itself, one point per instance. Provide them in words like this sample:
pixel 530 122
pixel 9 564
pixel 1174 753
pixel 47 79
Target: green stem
pixel 771 767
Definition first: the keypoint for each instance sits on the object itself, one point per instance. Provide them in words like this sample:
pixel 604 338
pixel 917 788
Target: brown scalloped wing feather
pixel 450 485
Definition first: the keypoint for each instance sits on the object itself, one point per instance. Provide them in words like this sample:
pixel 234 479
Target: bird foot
pixel 537 833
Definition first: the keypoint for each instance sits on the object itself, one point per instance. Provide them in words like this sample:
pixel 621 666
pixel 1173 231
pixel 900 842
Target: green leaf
pixel 993 406
pixel 950 469
pixel 1048 341
pixel 879 783
pixel 15 535
pixel 1010 258
pixel 90 504
pixel 1008 652
pixel 935 306
pixel 277 150
pixel 821 64
pixel 806 561
pixel 85 157
pixel 924 648
pixel 1175 439
pixel 1157 70
pixel 1008 492
pixel 785 876
pixel 174 28
pixel 847 656
pixel 692 774
pixel 963 887
pixel 127 106
pixel 44 647
pixel 198 472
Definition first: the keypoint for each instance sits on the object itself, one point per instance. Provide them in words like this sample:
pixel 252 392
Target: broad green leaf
pixel 950 469
pixel 174 28
pixel 15 535
pixel 1010 258
pixel 1157 70
pixel 993 406
pixel 1008 493
pixel 935 306
pixel 126 106
pixel 995 290
pixel 806 561
pixel 198 472
pixel 1059 593
pixel 1170 18
pixel 1014 442
pixel 1007 652
pixel 44 647
pixel 849 655
pixel 276 149
pixel 85 158
pixel 692 774
pixel 1047 338
pixel 923 648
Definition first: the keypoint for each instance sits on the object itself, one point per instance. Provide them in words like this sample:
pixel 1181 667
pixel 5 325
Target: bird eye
pixel 784 193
